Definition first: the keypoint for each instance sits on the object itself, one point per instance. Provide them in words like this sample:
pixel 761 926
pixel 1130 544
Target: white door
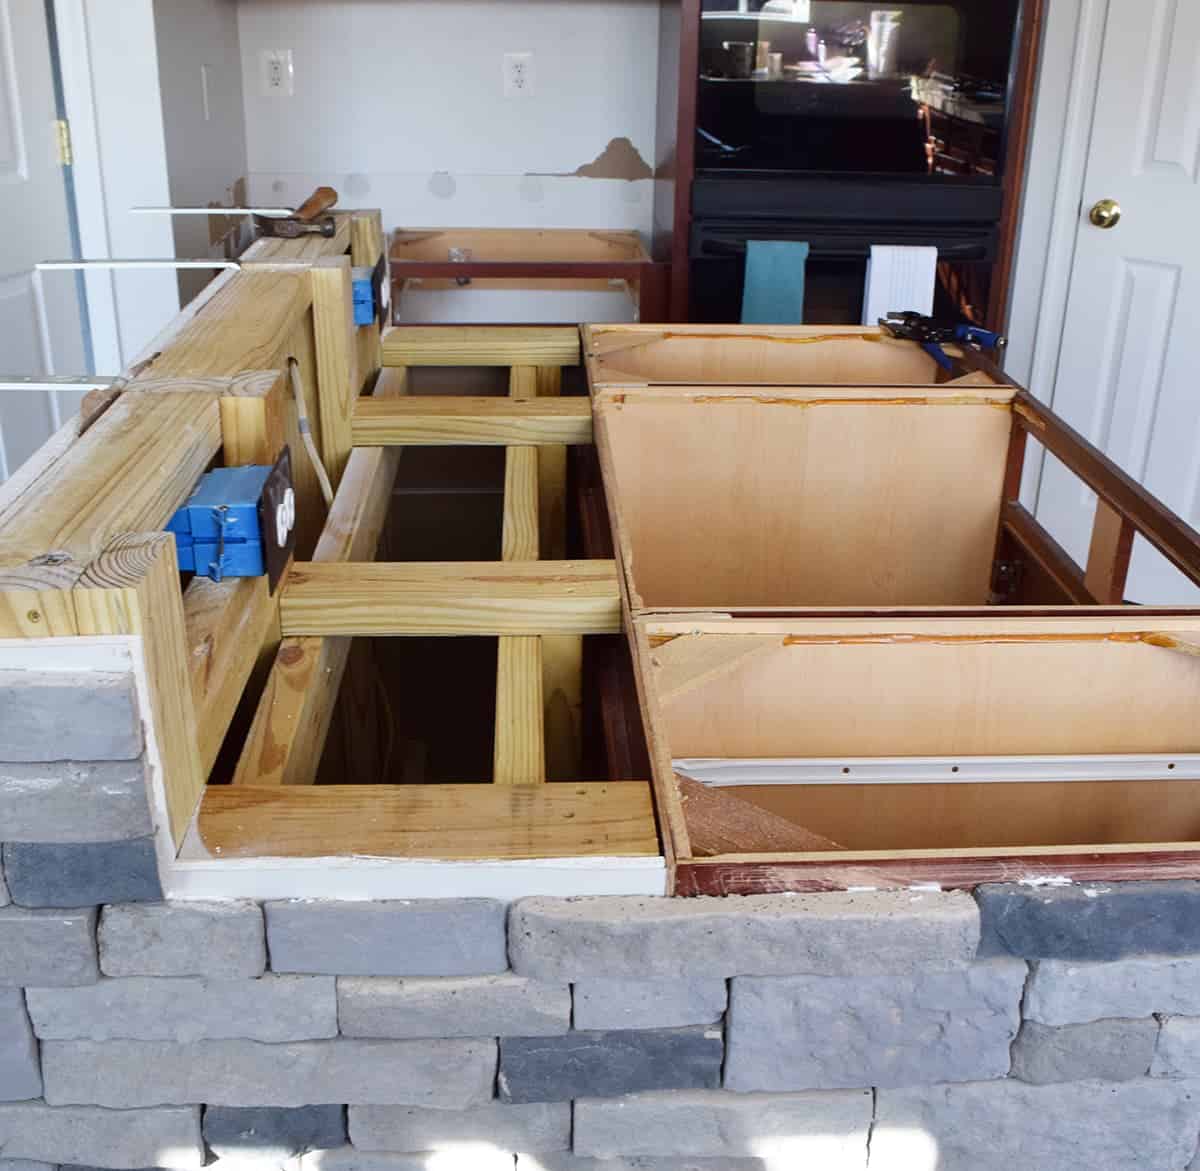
pixel 40 320
pixel 1127 374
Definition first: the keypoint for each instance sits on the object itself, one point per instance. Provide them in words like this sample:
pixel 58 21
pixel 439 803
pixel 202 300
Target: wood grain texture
pixel 519 538
pixel 36 599
pixel 426 821
pixel 720 822
pixel 693 659
pixel 519 755
pixel 470 422
pixel 481 345
pixel 338 379
pixel 803 502
pixel 245 326
pixel 132 587
pixel 129 473
pixel 226 625
pixel 252 423
pixel 452 598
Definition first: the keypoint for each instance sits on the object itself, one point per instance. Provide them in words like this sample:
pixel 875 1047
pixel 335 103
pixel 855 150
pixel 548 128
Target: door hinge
pixel 62 134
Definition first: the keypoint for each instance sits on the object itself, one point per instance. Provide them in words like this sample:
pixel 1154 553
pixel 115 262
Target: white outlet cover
pixel 276 73
pixel 519 75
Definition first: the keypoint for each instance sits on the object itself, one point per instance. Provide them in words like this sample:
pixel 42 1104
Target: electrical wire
pixel 306 432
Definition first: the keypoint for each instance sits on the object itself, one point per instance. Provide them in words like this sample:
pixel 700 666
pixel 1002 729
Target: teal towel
pixel 774 290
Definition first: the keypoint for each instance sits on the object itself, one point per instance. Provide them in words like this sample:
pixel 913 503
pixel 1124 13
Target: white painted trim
pixel 910 770
pixel 398 878
pixel 1070 58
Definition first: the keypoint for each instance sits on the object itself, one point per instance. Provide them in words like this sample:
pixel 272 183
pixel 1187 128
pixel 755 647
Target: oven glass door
pixel 829 86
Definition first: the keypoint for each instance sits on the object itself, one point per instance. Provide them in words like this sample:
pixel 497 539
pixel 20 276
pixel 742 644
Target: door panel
pixel 1131 339
pixel 41 329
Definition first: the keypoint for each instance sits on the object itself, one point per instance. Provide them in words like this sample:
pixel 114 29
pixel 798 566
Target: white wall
pixel 205 131
pixel 399 104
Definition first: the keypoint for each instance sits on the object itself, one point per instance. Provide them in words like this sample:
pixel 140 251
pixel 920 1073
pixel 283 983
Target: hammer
pixel 307 220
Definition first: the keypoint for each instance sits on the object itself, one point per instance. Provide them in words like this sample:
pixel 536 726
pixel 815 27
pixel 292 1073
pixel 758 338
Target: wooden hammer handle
pixel 319 202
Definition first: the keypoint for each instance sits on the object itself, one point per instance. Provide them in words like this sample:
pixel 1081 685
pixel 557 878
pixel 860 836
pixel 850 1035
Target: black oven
pixel 911 89
pixel 846 124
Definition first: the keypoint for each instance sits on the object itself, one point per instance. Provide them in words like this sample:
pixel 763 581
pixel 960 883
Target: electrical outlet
pixel 518 75
pixel 276 74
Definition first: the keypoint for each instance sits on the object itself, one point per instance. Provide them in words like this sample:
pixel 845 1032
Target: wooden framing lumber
pixel 481 345
pixel 519 752
pixel 471 421
pixel 452 598
pixel 604 819
pixel 338 379
pixel 290 726
pixel 132 588
pixel 129 473
pixel 227 625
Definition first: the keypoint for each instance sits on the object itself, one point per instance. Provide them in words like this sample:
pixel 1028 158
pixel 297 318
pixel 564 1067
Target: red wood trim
pixel 1020 127
pixel 1170 534
pixel 782 875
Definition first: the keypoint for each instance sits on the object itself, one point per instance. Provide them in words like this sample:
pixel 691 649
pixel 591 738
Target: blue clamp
pixel 219 530
pixel 931 336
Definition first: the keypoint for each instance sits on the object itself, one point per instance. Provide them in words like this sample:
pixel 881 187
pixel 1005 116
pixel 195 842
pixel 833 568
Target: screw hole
pixel 846 771
pixel 954 768
pixel 1171 765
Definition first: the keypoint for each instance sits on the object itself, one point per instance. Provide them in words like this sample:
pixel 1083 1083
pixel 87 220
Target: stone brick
pixel 607 1065
pixel 272 1136
pixel 815 1130
pixel 758 935
pixel 66 801
pixel 20 1075
pixel 430 937
pixel 482 1157
pixel 1063 992
pixel 537 1127
pixel 53 949
pixel 451 1075
pixel 1110 1050
pixel 1108 921
pixel 222 940
pixel 642 1004
pixel 141 1008
pixel 90 1136
pixel 42 874
pixel 470 1006
pixel 822 1033
pixel 1178 1051
pixel 56 715
pixel 579 1163
pixel 999 1126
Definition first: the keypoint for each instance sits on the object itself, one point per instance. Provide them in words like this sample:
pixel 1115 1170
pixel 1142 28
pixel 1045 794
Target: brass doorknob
pixel 1106 214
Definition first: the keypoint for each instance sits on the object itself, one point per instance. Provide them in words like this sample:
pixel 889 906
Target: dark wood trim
pixel 1023 99
pixel 779 875
pixel 1036 542
pixel 1167 532
pixel 685 155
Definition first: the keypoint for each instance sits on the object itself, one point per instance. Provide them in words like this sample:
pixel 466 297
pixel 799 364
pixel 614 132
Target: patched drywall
pixel 400 105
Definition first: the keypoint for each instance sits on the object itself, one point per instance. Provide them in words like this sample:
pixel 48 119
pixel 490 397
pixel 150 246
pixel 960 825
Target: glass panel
pixel 839 86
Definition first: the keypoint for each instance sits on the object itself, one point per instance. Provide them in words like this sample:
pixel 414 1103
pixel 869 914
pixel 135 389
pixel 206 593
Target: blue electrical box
pixel 219 531
pixel 364 294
